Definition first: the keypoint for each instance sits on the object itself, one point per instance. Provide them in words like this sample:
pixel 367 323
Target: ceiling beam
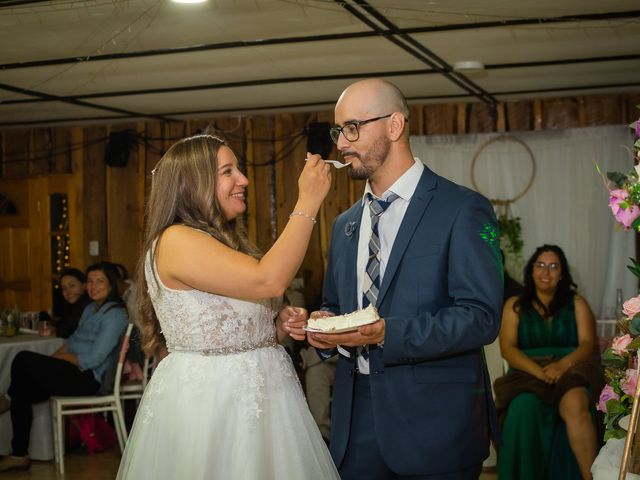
pixel 310 105
pixel 80 103
pixel 320 38
pixel 17 3
pixel 318 78
pixel 415 48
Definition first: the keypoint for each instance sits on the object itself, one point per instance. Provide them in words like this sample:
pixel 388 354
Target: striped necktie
pixel 371 279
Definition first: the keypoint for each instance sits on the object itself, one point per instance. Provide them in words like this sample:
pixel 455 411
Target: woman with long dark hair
pixel 548 338
pixel 73 285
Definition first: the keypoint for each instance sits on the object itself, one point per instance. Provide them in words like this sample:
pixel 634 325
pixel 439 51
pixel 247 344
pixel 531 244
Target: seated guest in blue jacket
pixel 77 368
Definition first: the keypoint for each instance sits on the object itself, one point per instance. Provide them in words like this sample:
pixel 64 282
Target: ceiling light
pixel 189 1
pixel 468 66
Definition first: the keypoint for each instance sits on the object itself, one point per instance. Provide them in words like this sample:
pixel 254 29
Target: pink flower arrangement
pixel 631 307
pixel 619 344
pixel 624 195
pixel 621 358
pixel 629 382
pixel 607 394
pixel 624 212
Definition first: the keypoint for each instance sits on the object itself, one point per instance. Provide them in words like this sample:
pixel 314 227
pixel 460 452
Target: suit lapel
pixel 415 211
pixel 353 218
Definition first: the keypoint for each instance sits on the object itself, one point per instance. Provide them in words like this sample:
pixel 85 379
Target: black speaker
pixel 318 139
pixel 119 146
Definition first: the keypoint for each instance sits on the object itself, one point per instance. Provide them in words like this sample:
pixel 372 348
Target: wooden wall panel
pixel 292 151
pixel 42 151
pixel 62 150
pixel 197 126
pixel 16 153
pixel 631 109
pixel 35 264
pixel 154 148
pixel 560 113
pixel 519 116
pixel 15 278
pixel 416 119
pixel 482 118
pixel 603 109
pixel 124 230
pixel 440 119
pixel 16 191
pixel 94 195
pixel 173 131
pixel 260 159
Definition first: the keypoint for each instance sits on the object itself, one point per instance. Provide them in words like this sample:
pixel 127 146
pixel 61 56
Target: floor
pixel 99 466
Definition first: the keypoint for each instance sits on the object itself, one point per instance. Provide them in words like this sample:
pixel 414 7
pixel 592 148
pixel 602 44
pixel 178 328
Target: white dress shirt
pixel 388 227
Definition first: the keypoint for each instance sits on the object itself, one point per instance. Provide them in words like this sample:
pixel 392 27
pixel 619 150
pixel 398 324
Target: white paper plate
pixel 624 422
pixel 339 330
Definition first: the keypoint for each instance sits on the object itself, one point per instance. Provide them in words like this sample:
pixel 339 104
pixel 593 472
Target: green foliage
pixel 510 227
pixel 634 267
pixel 618 178
pixel 634 325
pixel 611 360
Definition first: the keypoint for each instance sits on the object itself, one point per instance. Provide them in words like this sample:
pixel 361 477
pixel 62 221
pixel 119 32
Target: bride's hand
pixel 291 321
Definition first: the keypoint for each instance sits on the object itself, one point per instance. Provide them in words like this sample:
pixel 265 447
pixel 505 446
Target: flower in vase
pixel 631 307
pixel 624 212
pixel 607 394
pixel 619 344
pixel 629 382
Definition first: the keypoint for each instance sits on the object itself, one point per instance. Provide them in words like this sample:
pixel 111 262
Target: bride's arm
pixel 188 259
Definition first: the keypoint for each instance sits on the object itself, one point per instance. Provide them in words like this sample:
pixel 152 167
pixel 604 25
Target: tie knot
pixel 376 206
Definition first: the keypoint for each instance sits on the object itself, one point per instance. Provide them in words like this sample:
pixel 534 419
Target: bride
pixel 225 403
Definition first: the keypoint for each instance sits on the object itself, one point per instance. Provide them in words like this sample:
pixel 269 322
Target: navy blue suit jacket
pixel 441 298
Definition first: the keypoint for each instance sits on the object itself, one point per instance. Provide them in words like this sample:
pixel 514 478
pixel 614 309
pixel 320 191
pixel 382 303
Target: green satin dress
pixel 534 437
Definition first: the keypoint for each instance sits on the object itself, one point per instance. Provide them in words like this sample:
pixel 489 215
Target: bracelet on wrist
pixel 302 214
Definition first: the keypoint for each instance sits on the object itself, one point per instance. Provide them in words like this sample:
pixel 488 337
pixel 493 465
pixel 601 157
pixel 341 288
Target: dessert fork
pixel 335 163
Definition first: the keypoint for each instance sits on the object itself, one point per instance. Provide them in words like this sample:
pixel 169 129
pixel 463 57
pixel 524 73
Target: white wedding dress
pixel 226 402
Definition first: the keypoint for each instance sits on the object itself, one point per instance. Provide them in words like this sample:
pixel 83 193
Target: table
pixel 41 444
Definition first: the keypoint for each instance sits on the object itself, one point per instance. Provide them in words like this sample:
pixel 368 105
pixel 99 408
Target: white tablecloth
pixel 41 444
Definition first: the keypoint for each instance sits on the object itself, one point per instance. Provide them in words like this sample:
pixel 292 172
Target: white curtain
pixel 567 204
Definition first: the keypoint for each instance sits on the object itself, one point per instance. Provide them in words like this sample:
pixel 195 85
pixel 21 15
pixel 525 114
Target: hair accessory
pixel 302 214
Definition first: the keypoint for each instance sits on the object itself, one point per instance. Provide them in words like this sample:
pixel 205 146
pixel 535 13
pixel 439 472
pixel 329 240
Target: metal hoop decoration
pixel 504 138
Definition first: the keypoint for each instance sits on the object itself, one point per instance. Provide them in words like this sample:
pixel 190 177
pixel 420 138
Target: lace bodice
pixel 193 320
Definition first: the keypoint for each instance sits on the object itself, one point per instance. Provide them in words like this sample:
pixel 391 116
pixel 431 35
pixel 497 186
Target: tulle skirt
pixel 240 416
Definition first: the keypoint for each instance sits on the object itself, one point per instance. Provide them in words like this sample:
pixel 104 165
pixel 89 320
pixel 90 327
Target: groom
pixel 412 395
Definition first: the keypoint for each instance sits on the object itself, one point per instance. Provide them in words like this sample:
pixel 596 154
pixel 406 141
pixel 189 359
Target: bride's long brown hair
pixel 183 189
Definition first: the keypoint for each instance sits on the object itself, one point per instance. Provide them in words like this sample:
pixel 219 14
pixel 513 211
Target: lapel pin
pixel 350 228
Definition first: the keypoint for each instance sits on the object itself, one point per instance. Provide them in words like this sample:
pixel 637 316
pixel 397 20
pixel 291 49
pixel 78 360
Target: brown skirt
pixel 588 374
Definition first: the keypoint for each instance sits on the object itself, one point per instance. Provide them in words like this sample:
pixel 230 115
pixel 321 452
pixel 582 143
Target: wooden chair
pixel 62 406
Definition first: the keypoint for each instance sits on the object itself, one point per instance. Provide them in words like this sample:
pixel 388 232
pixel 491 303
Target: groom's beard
pixel 371 161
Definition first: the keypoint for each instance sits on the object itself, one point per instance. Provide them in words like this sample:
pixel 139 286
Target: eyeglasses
pixel 350 129
pixel 553 267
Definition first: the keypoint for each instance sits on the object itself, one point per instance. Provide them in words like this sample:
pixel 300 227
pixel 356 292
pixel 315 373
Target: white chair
pixel 62 406
pixel 133 390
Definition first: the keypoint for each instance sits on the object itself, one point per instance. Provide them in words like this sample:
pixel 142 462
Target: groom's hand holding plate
pixel 363 327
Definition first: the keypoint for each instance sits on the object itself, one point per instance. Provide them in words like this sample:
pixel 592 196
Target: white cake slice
pixel 344 322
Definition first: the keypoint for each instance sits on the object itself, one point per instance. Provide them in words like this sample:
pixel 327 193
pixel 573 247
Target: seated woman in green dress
pixel 548 337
